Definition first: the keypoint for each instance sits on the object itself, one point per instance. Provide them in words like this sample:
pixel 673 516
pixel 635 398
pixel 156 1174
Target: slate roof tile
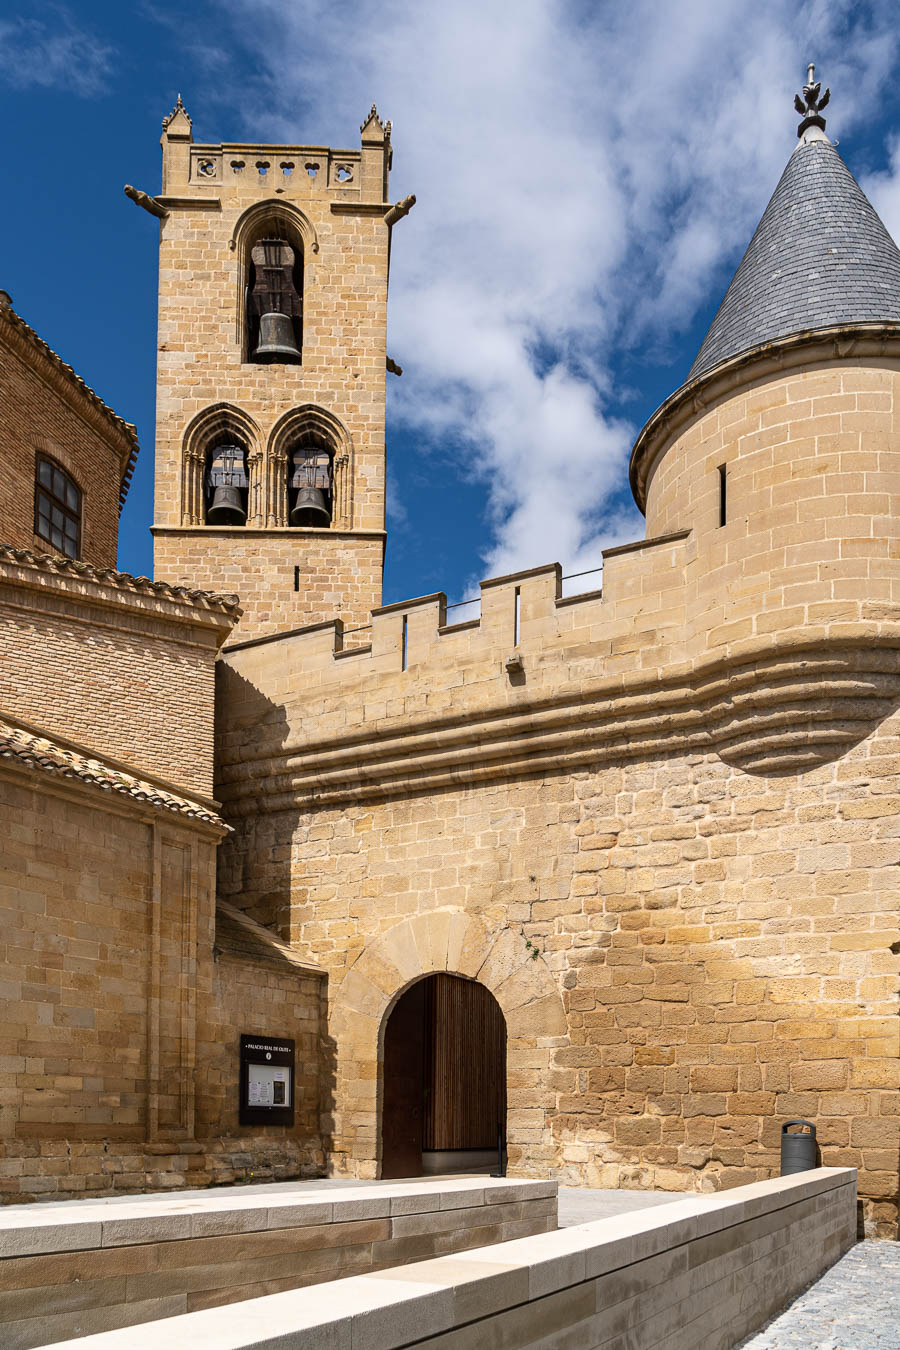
pixel 819 256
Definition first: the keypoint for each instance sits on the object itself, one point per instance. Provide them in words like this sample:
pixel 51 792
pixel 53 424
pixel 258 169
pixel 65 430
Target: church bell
pixel 310 508
pixel 226 485
pixel 276 339
pixel 274 303
pixel 311 482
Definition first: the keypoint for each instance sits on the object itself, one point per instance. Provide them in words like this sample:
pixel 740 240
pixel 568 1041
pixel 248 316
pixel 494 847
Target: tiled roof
pixel 107 576
pixel 41 753
pixel 128 429
pixel 820 256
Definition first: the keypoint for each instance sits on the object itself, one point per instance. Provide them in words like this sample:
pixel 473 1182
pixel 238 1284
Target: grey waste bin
pixel 798 1151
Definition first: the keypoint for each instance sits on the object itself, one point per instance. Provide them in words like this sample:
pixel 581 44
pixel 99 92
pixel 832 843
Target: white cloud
pixel 883 189
pixel 584 174
pixel 53 52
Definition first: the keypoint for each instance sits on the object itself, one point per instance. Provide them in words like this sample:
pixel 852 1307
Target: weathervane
pixel 810 106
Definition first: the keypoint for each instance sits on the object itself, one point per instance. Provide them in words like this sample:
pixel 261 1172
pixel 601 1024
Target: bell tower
pixel 270 457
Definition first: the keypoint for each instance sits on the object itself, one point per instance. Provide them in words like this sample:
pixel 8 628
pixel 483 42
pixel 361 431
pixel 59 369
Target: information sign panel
pixel 267 1080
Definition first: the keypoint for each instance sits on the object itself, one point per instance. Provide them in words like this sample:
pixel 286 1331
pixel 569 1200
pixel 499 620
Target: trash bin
pixel 798 1151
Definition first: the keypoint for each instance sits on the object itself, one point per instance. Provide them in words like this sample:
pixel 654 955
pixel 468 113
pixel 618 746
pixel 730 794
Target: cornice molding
pixel 783 709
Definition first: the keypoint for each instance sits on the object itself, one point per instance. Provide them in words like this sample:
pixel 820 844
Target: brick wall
pixel 126 672
pixel 42 410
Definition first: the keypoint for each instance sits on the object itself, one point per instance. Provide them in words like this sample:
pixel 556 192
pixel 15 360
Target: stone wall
pixel 125 668
pixel 338 573
pixel 46 409
pixel 695 827
pixel 102 899
pixel 219 204
pixel 257 986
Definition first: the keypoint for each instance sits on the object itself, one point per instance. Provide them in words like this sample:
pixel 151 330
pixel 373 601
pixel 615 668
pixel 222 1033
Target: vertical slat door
pixel 465 1065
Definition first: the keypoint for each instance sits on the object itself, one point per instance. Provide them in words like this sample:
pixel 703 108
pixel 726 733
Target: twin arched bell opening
pixel 226 486
pixel 310 485
pixel 274 302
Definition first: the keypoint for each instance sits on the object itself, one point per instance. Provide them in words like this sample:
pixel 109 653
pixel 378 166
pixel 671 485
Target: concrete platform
pixel 75 1267
pixel 688 1274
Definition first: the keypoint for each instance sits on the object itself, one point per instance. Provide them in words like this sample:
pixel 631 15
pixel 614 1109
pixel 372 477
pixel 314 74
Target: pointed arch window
pixel 226 485
pixel 310 486
pixel 274 301
pixel 57 508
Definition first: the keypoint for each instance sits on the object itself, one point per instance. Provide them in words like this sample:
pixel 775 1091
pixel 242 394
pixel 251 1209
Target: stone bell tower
pixel 270 459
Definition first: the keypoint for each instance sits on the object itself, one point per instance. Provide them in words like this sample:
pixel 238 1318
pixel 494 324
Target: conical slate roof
pixel 820 256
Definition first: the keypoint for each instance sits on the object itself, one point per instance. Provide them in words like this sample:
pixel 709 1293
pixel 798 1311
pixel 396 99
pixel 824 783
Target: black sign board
pixel 267 1080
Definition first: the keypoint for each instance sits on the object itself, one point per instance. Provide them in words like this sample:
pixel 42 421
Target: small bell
pixel 226 507
pixel 310 508
pixel 276 339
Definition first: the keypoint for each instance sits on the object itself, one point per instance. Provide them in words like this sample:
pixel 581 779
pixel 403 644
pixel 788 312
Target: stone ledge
pixel 653 1272
pixel 60 1226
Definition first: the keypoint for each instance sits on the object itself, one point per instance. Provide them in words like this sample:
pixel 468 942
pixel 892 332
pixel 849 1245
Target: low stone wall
pixel 68 1270
pixel 697 1274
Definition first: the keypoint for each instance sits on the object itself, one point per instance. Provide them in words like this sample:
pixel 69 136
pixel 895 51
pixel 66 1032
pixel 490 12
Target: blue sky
pixel 588 176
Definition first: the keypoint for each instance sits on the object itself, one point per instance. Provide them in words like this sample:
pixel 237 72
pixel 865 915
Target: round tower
pixel 781 452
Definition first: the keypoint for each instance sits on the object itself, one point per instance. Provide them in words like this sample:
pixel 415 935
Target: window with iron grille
pixel 57 508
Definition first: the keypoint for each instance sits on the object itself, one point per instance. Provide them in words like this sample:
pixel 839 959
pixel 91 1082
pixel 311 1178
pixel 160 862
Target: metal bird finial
pixel 810 105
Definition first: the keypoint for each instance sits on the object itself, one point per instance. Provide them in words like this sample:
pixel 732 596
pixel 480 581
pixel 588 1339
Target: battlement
pixel 523 615
pixel 533 656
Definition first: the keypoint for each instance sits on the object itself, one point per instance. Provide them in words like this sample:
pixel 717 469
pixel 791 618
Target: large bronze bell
pixel 311 508
pixel 226 486
pixel 276 339
pixel 226 507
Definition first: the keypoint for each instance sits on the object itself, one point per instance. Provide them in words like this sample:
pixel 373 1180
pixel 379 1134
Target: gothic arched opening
pixel 444 1098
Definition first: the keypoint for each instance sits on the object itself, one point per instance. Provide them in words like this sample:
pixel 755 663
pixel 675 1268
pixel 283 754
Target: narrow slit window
pixel 517 617
pixel 404 644
pixel 296 578
pixel 723 494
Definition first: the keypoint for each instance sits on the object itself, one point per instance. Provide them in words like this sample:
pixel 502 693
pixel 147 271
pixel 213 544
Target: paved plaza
pixel 854 1306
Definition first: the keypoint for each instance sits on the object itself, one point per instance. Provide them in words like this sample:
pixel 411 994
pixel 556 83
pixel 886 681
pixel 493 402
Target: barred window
pixel 57 508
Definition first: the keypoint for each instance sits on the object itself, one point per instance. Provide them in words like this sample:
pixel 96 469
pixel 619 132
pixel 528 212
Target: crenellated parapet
pixel 603 677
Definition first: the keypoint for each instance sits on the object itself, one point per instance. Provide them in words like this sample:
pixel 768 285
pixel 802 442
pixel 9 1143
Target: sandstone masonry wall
pixel 337 574
pixel 100 903
pixel 681 793
pixel 332 202
pixel 249 994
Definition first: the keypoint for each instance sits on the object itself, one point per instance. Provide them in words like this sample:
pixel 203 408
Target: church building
pixel 598 887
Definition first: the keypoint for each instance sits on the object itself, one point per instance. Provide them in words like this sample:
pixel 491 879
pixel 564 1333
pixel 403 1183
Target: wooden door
pixel 402 1102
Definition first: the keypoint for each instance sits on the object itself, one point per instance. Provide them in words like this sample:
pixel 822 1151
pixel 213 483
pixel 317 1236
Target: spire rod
pixel 810 107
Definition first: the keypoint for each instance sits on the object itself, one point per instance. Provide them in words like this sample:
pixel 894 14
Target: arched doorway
pixel 444 1099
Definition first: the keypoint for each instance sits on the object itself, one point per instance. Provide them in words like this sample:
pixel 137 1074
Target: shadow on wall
pixel 254 861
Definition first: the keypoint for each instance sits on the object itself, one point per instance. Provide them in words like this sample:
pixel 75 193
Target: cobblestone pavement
pixel 854 1306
